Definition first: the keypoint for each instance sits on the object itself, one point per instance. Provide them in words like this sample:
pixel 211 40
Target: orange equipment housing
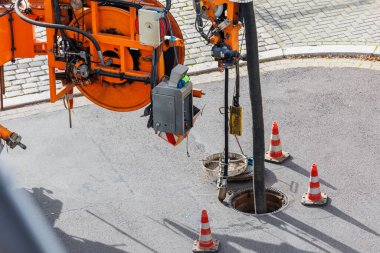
pixel 209 11
pixel 124 82
pixel 4 133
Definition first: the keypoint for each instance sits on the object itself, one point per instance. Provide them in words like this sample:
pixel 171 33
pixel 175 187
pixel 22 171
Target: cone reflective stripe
pixel 205 242
pixel 313 192
pixel 275 153
pixel 205 239
pixel 173 139
pixel 314 196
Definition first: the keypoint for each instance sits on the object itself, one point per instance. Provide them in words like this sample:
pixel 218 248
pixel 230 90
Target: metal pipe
pixel 256 104
pixel 226 132
pixel 236 100
pixel 222 184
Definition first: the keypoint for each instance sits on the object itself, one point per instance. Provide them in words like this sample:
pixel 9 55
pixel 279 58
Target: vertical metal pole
pixel 237 84
pixel 2 87
pixel 222 183
pixel 226 132
pixel 256 104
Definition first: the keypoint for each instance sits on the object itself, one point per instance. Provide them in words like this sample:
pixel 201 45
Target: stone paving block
pixel 15 93
pixel 19 71
pixel 29 85
pixel 38 73
pixel 36 63
pixel 10 78
pixel 30 90
pixel 23 75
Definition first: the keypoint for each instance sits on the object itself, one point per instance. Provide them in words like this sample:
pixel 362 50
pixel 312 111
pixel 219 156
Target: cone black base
pixel 307 202
pixel 214 248
pixel 283 158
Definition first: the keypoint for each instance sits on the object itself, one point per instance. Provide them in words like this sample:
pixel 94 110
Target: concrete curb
pixel 266 56
pixel 307 51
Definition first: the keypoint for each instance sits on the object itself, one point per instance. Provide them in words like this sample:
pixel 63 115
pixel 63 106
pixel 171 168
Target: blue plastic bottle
pixel 250 164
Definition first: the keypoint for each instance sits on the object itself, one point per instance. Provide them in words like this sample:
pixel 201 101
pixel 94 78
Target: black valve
pixel 224 53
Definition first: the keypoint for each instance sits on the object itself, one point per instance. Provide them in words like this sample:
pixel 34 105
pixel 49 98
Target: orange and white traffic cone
pixel 275 153
pixel 205 242
pixel 314 196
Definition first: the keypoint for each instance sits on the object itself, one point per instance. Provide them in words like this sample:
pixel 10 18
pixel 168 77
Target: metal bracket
pixel 13 49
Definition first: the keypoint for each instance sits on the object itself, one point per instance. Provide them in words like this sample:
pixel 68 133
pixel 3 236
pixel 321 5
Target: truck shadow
pixel 52 209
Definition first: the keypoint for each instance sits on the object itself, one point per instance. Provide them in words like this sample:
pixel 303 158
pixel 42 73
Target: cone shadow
pixel 338 213
pixel 290 164
pixel 228 241
pixel 283 220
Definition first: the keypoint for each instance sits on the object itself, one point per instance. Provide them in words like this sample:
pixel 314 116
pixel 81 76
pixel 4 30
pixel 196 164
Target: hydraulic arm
pixel 227 17
pixel 12 139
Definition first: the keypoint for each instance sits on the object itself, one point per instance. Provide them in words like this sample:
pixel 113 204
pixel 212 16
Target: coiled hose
pixel 59 26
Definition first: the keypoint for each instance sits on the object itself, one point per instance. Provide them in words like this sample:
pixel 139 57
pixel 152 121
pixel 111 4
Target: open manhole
pixel 244 201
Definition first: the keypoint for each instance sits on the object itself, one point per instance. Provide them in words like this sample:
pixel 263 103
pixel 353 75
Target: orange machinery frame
pixel 26 45
pixel 232 31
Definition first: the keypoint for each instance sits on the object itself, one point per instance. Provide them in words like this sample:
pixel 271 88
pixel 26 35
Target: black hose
pixel 118 3
pixel 58 26
pixel 168 5
pixel 199 21
pixel 7 10
pixel 256 104
pixel 123 76
pixel 57 17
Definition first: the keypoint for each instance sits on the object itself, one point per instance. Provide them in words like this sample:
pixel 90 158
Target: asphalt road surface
pixel 109 185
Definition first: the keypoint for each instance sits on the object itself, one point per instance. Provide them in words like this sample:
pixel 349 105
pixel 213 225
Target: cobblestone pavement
pixel 281 24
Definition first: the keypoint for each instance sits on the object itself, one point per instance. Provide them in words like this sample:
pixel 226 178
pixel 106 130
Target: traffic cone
pixel 314 196
pixel 275 153
pixel 205 242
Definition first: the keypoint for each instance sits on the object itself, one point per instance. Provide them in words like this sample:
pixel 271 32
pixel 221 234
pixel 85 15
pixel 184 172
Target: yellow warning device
pixel 236 120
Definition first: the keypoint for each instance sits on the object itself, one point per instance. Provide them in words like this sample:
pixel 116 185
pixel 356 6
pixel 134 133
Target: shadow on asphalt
pixel 281 221
pixel 338 213
pixel 287 223
pixel 228 241
pixel 52 209
pixel 295 167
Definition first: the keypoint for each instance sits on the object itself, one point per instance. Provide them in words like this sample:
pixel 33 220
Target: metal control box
pixel 173 106
pixel 149 27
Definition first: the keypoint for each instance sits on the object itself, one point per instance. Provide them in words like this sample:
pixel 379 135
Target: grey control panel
pixel 172 101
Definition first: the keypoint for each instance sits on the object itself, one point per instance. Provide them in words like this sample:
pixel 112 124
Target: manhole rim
pixel 231 196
